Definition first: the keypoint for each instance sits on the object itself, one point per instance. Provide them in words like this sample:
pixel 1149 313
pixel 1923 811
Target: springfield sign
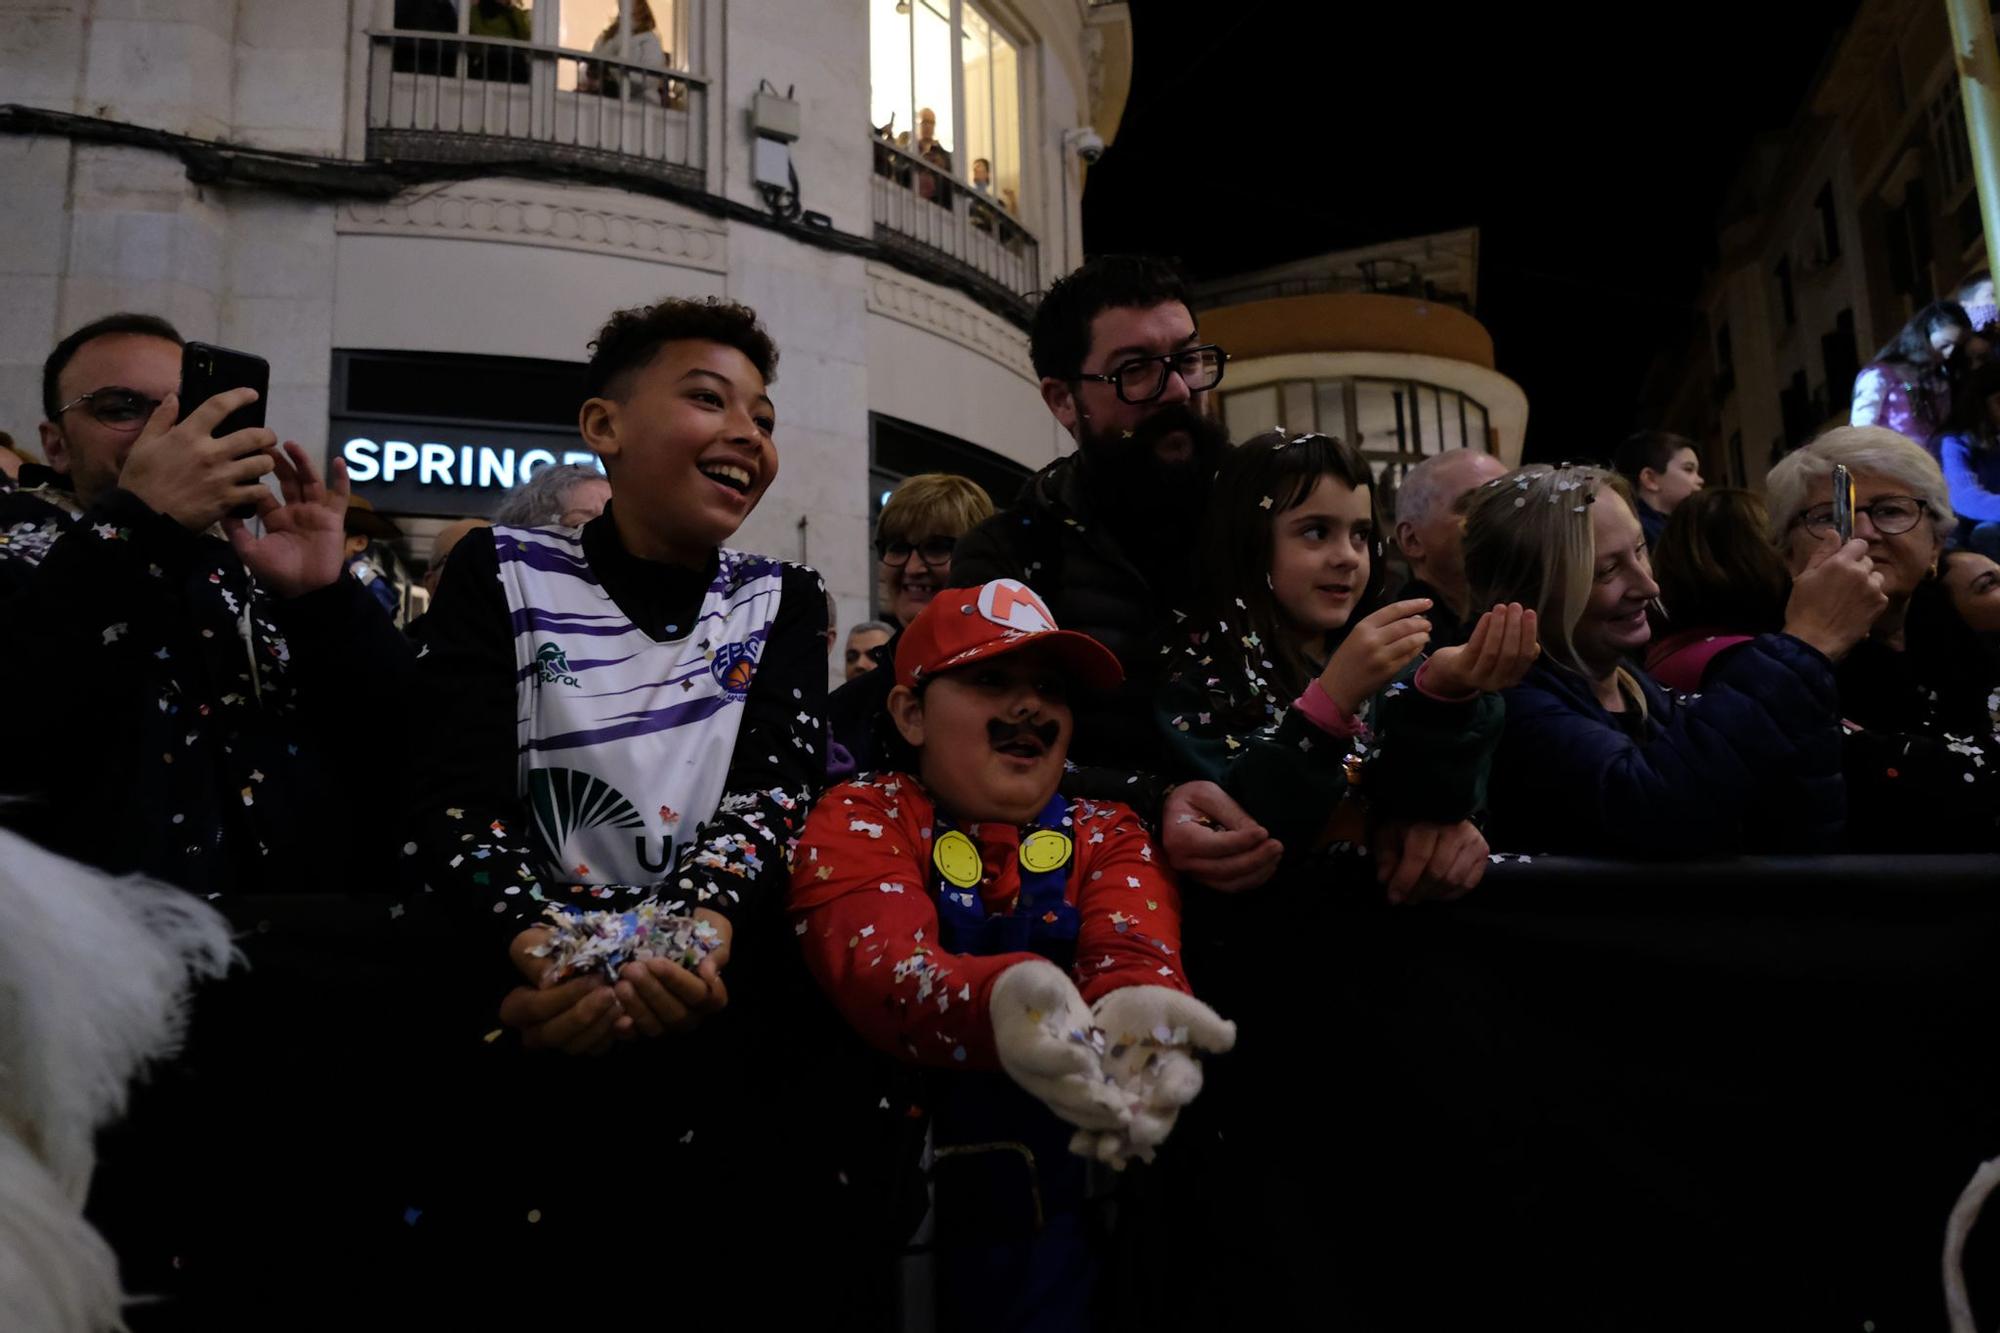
pixel 446 469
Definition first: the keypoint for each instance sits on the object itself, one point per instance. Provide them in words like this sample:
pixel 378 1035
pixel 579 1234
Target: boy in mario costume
pixel 966 917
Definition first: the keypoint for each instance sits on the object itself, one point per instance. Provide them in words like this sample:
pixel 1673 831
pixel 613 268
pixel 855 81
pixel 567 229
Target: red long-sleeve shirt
pixel 862 907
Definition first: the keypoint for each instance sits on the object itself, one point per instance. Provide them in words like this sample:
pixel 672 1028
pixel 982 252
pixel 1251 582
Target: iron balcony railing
pixel 441 97
pixel 924 210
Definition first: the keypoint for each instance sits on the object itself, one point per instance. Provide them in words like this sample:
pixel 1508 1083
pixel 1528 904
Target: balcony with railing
pixel 441 97
pixel 924 212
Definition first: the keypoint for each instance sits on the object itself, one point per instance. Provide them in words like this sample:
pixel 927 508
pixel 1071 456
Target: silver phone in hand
pixel 1843 503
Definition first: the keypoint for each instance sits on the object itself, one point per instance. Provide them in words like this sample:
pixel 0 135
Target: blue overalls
pixel 1013 1245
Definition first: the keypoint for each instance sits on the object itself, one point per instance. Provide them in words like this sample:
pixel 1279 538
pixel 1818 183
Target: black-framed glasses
pixel 1145 378
pixel 931 550
pixel 1891 515
pixel 117 407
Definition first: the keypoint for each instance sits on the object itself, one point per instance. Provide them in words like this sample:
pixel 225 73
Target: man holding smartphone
pixel 217 707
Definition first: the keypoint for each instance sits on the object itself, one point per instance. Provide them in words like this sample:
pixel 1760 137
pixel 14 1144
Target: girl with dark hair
pixel 1267 686
pixel 1968 449
pixel 1907 387
pixel 1721 581
pixel 1292 646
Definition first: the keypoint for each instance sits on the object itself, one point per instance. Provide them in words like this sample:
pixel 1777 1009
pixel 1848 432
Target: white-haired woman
pixel 1596 757
pixel 1918 685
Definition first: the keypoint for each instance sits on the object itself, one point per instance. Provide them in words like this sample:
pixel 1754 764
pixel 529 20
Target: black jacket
pixel 184 721
pixel 1048 540
pixel 1753 762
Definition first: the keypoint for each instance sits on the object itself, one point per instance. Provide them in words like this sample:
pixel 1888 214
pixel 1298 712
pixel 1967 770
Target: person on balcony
pixel 643 47
pixel 498 18
pixel 932 185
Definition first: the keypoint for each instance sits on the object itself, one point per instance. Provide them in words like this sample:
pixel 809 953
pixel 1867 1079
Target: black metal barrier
pixel 1596 1095
pixel 1736 1094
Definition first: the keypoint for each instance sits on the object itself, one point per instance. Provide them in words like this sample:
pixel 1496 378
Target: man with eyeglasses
pixel 215 704
pixel 1107 534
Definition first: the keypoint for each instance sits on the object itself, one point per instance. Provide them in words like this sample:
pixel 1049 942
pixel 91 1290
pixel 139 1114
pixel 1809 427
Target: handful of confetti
pixel 581 942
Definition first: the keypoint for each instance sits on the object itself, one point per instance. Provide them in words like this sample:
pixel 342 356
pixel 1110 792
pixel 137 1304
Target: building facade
pixel 1377 345
pixel 419 211
pixel 1835 232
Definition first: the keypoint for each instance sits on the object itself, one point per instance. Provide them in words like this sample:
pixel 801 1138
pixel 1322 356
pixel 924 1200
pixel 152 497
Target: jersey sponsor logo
pixel 734 666
pixel 1014 604
pixel 552 666
pixel 565 801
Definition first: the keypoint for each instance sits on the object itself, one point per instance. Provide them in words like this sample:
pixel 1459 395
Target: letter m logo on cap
pixel 1013 604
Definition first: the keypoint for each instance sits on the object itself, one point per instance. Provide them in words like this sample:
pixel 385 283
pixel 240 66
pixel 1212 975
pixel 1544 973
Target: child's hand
pixel 663 997
pixel 1375 652
pixel 1048 1043
pixel 1153 1038
pixel 577 1017
pixel 1422 862
pixel 1499 653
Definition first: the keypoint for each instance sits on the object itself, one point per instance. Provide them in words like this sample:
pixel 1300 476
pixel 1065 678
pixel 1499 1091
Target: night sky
pixel 1592 159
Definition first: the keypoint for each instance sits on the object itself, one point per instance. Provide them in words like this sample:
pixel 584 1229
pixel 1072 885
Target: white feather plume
pixel 94 979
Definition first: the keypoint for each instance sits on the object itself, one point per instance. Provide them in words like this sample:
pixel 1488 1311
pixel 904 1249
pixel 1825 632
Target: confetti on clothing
pixel 877 954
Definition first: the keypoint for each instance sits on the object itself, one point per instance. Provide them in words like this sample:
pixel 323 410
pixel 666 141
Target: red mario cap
pixel 966 625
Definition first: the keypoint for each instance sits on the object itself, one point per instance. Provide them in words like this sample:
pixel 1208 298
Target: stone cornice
pixel 637 228
pixel 911 301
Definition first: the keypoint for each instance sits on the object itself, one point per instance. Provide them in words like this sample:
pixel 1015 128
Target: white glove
pixel 1153 1037
pixel 1049 1044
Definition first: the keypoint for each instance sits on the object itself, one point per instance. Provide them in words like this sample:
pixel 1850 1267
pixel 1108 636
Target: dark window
pixel 1783 274
pixel 1842 359
pixel 1796 409
pixel 1829 224
pixel 432 386
pixel 1909 240
pixel 902 449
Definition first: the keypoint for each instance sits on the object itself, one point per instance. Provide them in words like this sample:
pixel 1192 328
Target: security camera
pixel 1088 142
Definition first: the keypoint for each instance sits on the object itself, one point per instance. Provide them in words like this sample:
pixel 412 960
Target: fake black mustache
pixel 1000 733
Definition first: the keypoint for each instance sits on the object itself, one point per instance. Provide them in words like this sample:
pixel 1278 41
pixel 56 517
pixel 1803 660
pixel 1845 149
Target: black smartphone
pixel 207 370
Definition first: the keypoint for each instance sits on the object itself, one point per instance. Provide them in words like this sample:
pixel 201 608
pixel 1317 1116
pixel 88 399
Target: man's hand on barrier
pixel 1429 862
pixel 1209 837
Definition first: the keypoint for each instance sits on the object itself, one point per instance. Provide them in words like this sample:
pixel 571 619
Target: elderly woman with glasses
pixel 1919 681
pixel 914 541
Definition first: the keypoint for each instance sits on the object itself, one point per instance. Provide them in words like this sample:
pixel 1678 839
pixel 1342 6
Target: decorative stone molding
pixel 525 217
pixel 912 301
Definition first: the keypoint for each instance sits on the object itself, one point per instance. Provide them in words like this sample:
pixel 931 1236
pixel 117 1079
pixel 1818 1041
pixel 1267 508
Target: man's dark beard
pixel 1145 500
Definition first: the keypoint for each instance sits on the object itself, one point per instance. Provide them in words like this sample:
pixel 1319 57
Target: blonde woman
pixel 915 540
pixel 1597 758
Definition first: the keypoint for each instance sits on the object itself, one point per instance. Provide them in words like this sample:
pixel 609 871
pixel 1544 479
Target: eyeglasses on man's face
pixel 1143 379
pixel 932 551
pixel 1891 515
pixel 117 407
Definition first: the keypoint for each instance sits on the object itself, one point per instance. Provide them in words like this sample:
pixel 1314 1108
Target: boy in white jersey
pixel 620 714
